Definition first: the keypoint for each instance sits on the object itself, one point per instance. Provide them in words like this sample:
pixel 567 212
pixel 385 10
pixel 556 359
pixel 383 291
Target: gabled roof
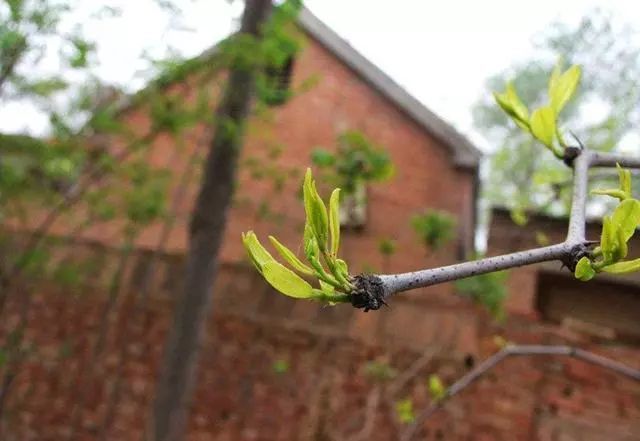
pixel 465 153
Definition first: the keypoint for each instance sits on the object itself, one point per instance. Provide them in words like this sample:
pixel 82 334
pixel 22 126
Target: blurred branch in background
pixel 511 351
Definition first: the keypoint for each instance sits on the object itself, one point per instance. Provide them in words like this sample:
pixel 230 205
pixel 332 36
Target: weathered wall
pixel 91 371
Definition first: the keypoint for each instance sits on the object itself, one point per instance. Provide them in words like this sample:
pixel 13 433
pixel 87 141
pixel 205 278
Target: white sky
pixel 440 51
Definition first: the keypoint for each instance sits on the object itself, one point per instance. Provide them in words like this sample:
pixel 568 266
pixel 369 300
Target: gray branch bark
pixel 568 252
pixel 519 350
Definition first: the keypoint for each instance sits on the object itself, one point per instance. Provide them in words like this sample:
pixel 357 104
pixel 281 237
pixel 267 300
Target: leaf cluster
pixel 617 230
pixel 357 159
pixel 542 122
pixel 321 243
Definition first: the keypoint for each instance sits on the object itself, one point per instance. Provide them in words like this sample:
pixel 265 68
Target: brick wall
pixel 273 368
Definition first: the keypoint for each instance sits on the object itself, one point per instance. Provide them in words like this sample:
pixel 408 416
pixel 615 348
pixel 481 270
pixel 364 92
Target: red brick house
pixel 278 369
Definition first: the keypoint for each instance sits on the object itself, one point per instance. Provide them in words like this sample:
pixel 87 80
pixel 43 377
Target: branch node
pixel 369 292
pixel 577 252
pixel 570 154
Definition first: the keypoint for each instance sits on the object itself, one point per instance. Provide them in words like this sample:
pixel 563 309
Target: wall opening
pixel 274 87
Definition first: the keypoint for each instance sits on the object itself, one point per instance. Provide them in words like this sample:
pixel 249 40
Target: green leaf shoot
pixel 625 179
pixel 437 390
pixel 286 281
pixel 316 211
pixel 290 257
pixel 543 126
pixel 562 89
pixel 258 254
pixel 626 217
pixel 623 267
pixel 584 271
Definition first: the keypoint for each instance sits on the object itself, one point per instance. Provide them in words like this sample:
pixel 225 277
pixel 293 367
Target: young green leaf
pixel 624 267
pixel 320 220
pixel 608 239
pixel 622 250
pixel 436 388
pixel 315 210
pixel 554 78
pixel 327 288
pixel 564 88
pixel 343 270
pixel 258 254
pixel 310 244
pixel 291 258
pixel 625 179
pixel 286 281
pixel 584 270
pixel 510 103
pixel 627 217
pixel 334 221
pixel 405 412
pixel 543 125
pixel 516 103
pixel 503 101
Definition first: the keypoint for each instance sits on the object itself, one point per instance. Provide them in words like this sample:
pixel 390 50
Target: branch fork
pixel 374 290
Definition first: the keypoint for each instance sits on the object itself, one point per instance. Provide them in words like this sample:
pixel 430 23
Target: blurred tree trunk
pixel 178 372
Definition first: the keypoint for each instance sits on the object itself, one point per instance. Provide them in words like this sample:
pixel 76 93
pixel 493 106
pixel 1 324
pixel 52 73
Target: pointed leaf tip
pixel 315 210
pixel 564 88
pixel 257 253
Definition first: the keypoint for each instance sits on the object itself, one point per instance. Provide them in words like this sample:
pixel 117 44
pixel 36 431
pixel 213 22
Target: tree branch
pixel 568 252
pixel 402 282
pixel 610 160
pixel 519 350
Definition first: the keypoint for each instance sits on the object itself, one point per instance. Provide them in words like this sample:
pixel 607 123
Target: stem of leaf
pixel 334 270
pixel 322 274
pixel 561 140
pixel 337 298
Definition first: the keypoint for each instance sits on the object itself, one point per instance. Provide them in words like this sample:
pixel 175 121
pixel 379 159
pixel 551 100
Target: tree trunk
pixel 178 372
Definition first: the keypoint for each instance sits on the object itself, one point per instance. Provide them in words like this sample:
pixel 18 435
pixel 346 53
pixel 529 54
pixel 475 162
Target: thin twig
pixel 371 410
pixel 411 372
pixel 519 350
